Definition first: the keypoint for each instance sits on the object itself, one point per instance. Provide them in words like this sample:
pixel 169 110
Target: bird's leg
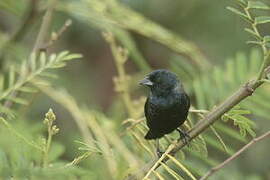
pixel 183 136
pixel 159 152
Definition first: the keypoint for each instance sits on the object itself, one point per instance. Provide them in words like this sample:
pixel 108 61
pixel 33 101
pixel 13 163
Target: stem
pixel 218 167
pixel 47 18
pixel 120 57
pixel 79 159
pixel 48 145
pixel 207 121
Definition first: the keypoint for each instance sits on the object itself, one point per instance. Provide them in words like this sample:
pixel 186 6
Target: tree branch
pixel 218 167
pixel 208 120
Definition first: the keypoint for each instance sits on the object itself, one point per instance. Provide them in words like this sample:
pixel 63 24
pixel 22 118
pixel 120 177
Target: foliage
pixel 112 146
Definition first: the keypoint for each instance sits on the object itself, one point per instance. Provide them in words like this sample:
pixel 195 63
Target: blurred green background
pixel 214 33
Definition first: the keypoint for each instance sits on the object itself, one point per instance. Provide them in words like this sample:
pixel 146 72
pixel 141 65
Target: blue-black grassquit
pixel 167 105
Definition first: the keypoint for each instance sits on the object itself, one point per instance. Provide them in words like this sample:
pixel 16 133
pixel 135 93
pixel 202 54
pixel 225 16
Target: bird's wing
pixel 151 112
pixel 146 109
pixel 187 103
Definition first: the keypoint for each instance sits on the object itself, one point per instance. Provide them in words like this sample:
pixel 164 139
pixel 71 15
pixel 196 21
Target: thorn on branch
pixel 248 87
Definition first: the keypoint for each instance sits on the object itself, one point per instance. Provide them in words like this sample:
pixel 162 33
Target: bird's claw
pixel 159 153
pixel 184 137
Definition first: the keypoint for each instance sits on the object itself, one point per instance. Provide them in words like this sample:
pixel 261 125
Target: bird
pixel 166 107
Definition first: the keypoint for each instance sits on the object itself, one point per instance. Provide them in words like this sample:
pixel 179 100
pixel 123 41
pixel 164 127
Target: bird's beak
pixel 146 82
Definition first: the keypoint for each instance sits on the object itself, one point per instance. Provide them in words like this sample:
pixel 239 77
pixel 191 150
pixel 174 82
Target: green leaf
pixel 266 38
pixel 58 65
pixel 232 133
pixel 242 2
pixel 252 33
pixel 71 56
pixel 262 19
pixel 257 5
pixel 244 124
pixel 219 138
pixel 199 145
pixel 17 100
pixel 254 42
pixel 62 55
pixel 27 89
pixel 181 166
pixel 171 171
pixel 52 58
pixel 236 11
pixel 211 141
pixel 158 175
pixel 49 75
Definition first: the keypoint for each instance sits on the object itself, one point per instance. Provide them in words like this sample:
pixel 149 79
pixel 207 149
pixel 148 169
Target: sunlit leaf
pixel 238 12
pixel 262 19
pixel 257 5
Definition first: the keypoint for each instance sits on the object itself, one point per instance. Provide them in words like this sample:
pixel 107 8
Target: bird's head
pixel 161 82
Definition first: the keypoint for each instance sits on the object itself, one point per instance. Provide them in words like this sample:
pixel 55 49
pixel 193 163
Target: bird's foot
pixel 159 153
pixel 184 136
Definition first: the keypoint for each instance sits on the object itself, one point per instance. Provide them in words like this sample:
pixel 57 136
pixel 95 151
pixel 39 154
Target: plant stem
pixel 218 167
pixel 47 146
pixel 47 18
pixel 79 159
pixel 207 121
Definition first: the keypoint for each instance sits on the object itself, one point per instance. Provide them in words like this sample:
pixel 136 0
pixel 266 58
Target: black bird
pixel 167 105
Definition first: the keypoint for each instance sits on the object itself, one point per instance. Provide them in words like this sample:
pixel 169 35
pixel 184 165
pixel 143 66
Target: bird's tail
pixel 151 135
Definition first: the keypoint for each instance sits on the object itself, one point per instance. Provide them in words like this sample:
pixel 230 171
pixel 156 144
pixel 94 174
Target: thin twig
pixel 207 121
pixel 43 32
pixel 56 36
pixel 79 159
pixel 218 167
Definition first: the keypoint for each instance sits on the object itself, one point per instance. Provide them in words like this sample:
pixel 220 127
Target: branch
pixel 215 114
pixel 218 167
pixel 207 121
pixel 44 27
pixel 56 35
pixel 79 159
